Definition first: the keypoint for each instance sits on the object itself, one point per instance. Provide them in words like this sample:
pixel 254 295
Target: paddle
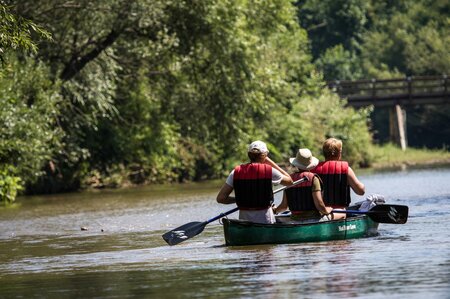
pixel 192 229
pixel 395 214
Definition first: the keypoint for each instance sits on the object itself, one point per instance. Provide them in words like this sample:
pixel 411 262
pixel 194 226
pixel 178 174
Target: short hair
pixel 255 156
pixel 331 148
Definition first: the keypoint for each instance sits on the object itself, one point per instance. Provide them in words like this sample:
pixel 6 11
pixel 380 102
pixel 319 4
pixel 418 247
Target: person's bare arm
pixel 317 197
pixel 354 183
pixel 224 195
pixel 319 204
pixel 286 179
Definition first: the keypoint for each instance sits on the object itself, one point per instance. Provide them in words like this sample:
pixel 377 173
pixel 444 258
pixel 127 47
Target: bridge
pixel 395 93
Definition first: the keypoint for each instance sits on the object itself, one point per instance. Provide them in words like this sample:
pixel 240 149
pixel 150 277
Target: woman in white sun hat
pixel 305 200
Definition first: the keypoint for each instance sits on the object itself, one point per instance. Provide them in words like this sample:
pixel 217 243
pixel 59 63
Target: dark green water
pixel 45 254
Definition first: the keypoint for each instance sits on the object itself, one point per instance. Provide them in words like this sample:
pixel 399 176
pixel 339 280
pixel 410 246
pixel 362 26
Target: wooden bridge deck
pixel 391 92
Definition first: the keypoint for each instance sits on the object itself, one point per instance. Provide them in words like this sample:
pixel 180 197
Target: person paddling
pixel 337 176
pixel 305 200
pixel 252 185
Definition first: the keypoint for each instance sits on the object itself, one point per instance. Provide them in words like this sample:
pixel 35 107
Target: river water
pixel 45 254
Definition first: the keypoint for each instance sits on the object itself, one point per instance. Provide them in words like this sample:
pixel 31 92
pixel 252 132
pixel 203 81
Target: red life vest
pixel 253 186
pixel 300 197
pixel 334 177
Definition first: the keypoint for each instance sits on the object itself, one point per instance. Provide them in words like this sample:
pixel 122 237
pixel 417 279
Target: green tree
pixel 412 40
pixel 91 43
pixel 174 90
pixel 338 63
pixel 330 23
pixel 27 106
pixel 16 33
pixel 216 89
pixel 383 39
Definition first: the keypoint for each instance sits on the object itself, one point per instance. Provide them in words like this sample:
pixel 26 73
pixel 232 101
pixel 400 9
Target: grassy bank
pixel 389 155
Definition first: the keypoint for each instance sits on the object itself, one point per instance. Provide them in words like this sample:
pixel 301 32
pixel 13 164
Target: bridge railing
pixel 381 92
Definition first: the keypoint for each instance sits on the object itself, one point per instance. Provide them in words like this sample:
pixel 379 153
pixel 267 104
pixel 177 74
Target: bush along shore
pixel 385 157
pixel 391 156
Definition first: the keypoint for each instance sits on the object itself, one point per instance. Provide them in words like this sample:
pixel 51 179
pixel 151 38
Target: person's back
pixel 337 176
pixel 301 198
pixel 253 186
pixel 252 183
pixel 334 175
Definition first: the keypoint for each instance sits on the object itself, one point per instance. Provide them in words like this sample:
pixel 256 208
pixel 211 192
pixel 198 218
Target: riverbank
pixel 386 157
pixel 392 157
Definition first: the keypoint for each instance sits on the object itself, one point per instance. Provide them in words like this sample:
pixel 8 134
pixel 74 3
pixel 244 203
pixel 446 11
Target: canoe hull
pixel 239 232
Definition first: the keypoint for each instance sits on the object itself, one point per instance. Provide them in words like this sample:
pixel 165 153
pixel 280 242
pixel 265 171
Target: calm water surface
pixel 45 254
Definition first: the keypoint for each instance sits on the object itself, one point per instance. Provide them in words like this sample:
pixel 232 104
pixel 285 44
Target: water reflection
pixel 44 253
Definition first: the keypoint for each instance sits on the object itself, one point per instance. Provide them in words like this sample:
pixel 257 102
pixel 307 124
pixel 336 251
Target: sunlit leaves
pixel 16 33
pixel 29 134
pixel 412 40
pixel 160 90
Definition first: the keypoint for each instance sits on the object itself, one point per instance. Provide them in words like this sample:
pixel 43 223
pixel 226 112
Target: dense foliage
pixel 138 91
pixel 356 39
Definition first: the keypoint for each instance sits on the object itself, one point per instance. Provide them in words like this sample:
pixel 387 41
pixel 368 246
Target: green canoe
pixel 240 232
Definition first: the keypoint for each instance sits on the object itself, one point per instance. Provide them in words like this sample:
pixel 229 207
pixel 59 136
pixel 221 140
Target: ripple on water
pixel 44 253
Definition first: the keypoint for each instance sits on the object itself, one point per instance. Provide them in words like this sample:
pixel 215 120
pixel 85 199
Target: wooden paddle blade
pixel 184 232
pixel 396 214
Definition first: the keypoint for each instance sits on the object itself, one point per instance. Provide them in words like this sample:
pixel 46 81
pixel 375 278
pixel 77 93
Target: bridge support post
pixel 397 126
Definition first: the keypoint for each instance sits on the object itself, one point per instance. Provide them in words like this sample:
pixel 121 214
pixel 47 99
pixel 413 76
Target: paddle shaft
pixel 304 179
pixel 350 211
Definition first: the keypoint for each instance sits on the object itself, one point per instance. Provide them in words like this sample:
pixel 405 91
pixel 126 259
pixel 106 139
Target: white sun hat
pixel 304 159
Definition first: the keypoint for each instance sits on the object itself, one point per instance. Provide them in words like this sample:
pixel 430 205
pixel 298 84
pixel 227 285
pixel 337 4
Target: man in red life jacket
pixel 252 185
pixel 305 200
pixel 337 177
